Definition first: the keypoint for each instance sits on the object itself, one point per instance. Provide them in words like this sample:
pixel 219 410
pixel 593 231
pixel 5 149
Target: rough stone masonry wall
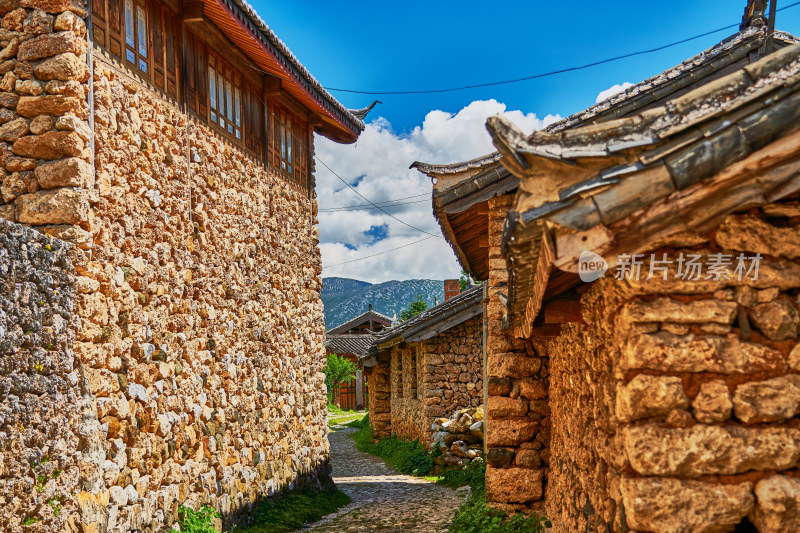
pixel 201 324
pixel 428 380
pixel 42 392
pixel 198 323
pixel 517 410
pixel 674 407
pixel 380 396
pixel 453 370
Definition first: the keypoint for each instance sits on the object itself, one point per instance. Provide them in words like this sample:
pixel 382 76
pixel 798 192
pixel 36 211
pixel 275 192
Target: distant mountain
pixel 346 298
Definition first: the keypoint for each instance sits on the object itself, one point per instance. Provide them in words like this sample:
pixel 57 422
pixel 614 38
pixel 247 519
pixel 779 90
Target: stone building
pixel 654 402
pixel 427 367
pixel 353 340
pixel 161 331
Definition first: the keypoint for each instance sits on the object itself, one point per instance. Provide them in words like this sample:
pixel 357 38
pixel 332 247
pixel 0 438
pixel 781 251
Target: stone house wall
pixel 674 405
pixel 198 327
pixel 45 409
pixel 416 383
pixel 517 409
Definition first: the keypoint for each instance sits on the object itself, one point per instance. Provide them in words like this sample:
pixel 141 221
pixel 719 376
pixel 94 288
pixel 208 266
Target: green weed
pixel 409 457
pixel 294 510
pixel 30 520
pixel 192 521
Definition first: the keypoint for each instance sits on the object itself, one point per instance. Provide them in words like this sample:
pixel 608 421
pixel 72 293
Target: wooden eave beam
pixel 193 12
pixel 206 31
pixel 562 312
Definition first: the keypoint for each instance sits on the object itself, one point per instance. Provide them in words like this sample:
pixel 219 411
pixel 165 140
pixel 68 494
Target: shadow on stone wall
pixel 315 479
pixel 40 392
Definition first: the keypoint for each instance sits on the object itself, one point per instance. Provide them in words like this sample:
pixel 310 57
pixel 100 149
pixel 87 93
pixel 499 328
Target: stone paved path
pixel 383 499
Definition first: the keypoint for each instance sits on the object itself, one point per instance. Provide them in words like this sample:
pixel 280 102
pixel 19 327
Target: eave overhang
pixel 628 185
pixel 461 193
pixel 240 23
pixel 433 321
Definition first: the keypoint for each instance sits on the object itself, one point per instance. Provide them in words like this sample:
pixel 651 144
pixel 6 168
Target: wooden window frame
pixel 288 143
pixel 261 118
pixel 145 36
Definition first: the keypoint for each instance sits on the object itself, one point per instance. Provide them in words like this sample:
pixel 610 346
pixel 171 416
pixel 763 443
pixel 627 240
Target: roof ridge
pixel 616 101
pixel 264 28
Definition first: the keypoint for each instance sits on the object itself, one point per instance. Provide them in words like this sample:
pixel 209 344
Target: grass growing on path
pixel 410 458
pixel 473 516
pixel 338 416
pixel 293 511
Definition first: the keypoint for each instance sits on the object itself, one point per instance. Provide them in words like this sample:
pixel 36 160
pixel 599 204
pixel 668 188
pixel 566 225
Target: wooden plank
pixel 546 331
pixel 503 186
pixel 444 325
pixel 193 12
pixel 206 30
pixel 272 86
pixel 563 311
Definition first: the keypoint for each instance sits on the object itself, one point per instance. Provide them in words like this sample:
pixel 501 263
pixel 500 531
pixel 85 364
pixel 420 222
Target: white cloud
pixel 611 91
pixel 379 163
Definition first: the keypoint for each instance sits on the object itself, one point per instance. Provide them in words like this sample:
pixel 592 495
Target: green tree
pixel 414 308
pixel 338 370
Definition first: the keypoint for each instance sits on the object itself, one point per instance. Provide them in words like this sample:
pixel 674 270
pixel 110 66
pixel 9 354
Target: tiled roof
pixel 445 315
pixel 293 64
pixel 641 95
pixel 360 319
pixel 601 175
pixel 355 344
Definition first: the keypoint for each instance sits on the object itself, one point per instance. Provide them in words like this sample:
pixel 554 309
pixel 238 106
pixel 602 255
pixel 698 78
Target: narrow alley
pixel 383 499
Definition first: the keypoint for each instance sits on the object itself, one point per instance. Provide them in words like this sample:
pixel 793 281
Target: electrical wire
pixel 384 202
pixel 376 206
pixel 379 253
pixel 365 208
pixel 551 73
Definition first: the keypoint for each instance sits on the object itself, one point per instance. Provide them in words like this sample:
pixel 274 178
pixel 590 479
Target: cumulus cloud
pixel 611 91
pixel 377 167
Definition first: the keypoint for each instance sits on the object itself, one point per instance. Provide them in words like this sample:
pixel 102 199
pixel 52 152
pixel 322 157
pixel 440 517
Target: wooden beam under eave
pixel 206 31
pixel 193 12
pixel 546 331
pixel 272 86
pixel 563 312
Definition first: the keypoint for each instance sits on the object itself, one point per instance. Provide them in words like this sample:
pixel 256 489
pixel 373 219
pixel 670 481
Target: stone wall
pixel 416 383
pixel 198 327
pixel 380 396
pixel 42 388
pixel 517 409
pixel 674 406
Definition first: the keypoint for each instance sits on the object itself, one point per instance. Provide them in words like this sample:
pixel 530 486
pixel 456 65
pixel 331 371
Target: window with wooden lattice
pixel 145 35
pixel 288 143
pixel 224 96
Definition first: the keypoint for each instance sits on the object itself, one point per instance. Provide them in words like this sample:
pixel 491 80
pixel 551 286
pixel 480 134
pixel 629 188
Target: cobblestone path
pixel 383 499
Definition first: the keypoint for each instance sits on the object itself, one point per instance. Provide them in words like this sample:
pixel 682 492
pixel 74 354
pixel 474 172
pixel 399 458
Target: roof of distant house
pixel 435 320
pixel 363 318
pixel 358 345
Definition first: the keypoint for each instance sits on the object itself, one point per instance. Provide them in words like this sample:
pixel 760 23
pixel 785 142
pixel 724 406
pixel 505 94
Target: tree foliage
pixel 338 370
pixel 414 308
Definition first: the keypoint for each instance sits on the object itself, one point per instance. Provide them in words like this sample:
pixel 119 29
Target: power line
pixel 551 73
pixel 384 202
pixel 380 253
pixel 379 208
pixel 366 208
pixel 308 149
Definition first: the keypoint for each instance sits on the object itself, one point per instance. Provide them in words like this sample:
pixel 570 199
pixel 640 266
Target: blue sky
pixel 438 44
pixel 443 43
